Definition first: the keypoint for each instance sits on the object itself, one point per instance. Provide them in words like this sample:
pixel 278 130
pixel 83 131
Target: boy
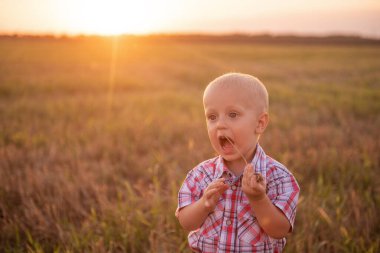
pixel 227 204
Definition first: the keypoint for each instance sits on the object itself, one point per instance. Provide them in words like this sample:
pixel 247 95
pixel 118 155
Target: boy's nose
pixel 221 123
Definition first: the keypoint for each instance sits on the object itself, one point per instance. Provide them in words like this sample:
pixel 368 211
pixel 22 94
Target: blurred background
pixel 101 116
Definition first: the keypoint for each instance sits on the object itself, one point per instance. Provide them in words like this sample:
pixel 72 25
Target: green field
pixel 96 136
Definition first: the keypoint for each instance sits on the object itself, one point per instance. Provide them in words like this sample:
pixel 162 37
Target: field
pixel 97 134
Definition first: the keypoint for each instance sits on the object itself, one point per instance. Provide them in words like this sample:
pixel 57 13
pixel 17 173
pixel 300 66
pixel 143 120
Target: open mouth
pixel 225 142
pixel 228 146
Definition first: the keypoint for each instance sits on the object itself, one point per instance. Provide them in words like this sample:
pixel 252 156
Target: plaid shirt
pixel 233 227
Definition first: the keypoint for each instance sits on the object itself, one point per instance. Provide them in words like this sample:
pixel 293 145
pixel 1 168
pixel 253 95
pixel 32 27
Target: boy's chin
pixel 231 158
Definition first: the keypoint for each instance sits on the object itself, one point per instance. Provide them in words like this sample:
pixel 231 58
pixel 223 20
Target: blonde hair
pixel 252 85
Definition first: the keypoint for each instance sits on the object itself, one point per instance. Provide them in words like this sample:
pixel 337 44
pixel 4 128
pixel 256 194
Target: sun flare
pixel 115 17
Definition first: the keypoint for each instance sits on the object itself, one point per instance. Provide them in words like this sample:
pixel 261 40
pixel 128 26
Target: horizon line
pixel 192 33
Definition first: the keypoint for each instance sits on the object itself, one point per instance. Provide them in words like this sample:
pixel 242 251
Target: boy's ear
pixel 262 123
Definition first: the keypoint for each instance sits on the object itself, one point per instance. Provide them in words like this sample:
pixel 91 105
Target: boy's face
pixel 231 112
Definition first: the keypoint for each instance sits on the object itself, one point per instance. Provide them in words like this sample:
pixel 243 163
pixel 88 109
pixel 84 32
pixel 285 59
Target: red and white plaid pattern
pixel 233 227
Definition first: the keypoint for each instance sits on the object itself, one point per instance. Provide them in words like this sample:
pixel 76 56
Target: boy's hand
pixel 212 194
pixel 253 184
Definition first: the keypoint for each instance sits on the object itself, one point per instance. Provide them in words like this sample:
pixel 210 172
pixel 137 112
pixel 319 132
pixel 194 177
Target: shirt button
pixel 228 222
pixel 233 187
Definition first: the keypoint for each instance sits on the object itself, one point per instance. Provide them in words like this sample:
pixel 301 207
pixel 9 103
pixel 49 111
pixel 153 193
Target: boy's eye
pixel 211 117
pixel 233 114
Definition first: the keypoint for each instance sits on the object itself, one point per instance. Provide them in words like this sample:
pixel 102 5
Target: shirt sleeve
pixel 190 190
pixel 283 191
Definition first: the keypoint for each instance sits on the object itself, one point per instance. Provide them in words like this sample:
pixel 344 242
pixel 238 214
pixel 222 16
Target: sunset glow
pixel 116 17
pixel 170 16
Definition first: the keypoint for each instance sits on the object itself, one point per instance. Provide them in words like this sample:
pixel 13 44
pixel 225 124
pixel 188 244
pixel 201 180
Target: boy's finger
pixel 249 166
pixel 246 178
pixel 215 183
pixel 252 181
pixel 210 192
pixel 246 174
pixel 220 180
pixel 223 188
pixel 248 170
pixel 220 187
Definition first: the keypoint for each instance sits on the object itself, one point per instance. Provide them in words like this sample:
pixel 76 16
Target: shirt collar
pixel 220 167
pixel 258 162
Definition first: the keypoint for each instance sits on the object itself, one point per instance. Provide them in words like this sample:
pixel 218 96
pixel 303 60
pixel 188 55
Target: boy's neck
pixel 237 167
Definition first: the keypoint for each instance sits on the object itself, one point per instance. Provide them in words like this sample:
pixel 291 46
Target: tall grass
pixel 81 173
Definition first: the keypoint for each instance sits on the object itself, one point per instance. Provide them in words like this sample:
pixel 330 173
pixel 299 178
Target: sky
pixel 110 17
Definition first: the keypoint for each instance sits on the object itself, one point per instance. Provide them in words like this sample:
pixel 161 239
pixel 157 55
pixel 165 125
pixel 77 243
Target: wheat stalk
pixel 233 145
pixel 259 177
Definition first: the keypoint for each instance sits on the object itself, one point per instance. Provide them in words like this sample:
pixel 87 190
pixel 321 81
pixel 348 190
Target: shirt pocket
pixel 249 230
pixel 212 225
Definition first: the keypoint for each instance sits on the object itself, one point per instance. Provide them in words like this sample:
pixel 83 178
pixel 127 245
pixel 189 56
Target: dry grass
pixel 81 173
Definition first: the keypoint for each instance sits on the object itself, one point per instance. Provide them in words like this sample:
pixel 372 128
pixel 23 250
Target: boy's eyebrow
pixel 209 110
